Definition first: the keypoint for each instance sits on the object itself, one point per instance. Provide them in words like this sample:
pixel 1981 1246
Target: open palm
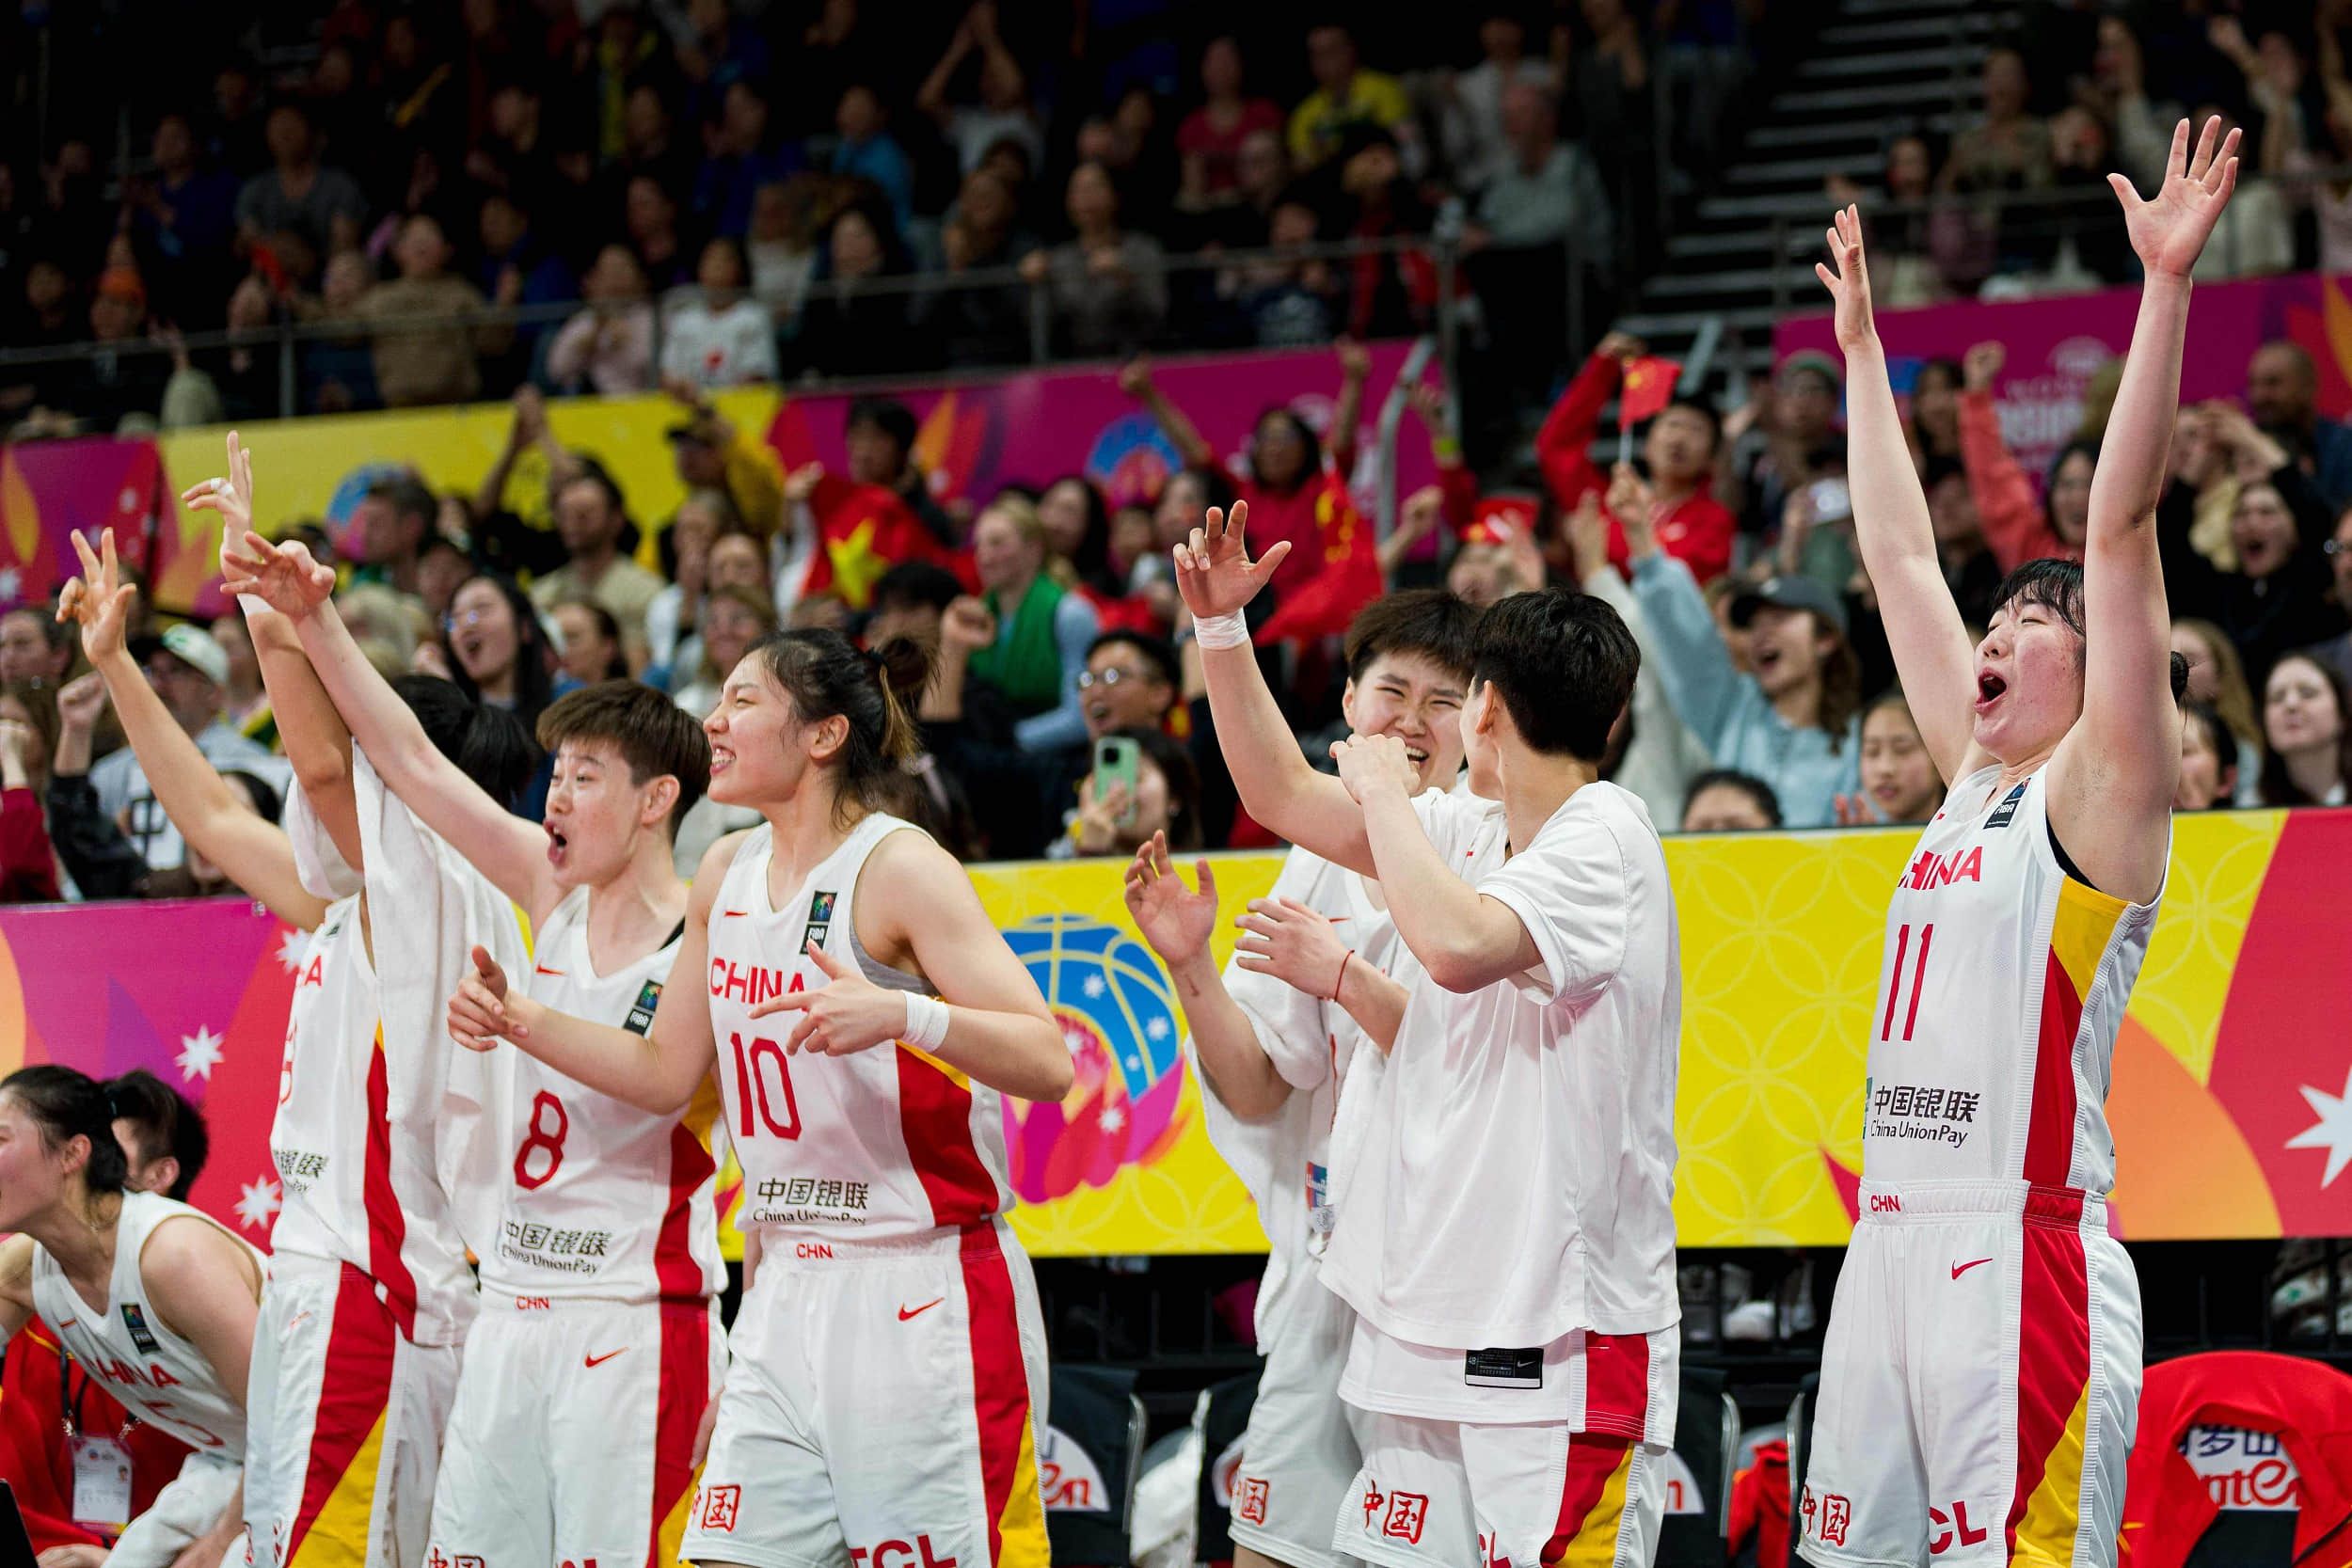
pixel 2168 232
pixel 99 599
pixel 1174 919
pixel 231 498
pixel 1214 571
pixel 1849 282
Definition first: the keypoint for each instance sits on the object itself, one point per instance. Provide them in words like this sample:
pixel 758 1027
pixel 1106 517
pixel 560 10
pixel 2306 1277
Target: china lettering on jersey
pixel 601 1199
pixel 2002 986
pixel 884 1142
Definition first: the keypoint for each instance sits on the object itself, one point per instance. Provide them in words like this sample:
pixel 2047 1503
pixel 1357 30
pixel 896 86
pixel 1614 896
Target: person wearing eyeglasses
pixel 2336 652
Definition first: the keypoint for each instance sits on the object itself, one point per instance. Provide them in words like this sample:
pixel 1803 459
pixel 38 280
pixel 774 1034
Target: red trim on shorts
pixel 678 1272
pixel 2054 1341
pixel 387 1227
pixel 355 1389
pixel 2050 1125
pixel 1000 1376
pixel 1616 1384
pixel 1593 1463
pixel 685 1390
pixel 935 1118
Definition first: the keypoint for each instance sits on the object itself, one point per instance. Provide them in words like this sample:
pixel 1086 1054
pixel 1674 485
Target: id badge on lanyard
pixel 102 1465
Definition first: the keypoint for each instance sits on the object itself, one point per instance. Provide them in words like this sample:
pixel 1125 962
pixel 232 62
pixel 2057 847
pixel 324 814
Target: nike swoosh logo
pixel 733 915
pixel 545 970
pixel 1959 1269
pixel 63 1326
pixel 907 1313
pixel 600 1360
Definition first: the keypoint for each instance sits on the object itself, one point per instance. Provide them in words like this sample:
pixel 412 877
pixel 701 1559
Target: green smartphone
pixel 1116 759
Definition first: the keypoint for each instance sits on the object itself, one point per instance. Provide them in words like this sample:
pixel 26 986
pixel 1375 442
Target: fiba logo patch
pixel 1118 1016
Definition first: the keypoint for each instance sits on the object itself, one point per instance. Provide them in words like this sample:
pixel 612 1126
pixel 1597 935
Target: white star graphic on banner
pixel 1093 987
pixel 291 949
pixel 2332 1132
pixel 256 1202
pixel 1155 1028
pixel 199 1053
pixel 1112 1118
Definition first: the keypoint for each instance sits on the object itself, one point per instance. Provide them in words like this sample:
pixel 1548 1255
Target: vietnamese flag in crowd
pixel 1348 579
pixel 1647 388
pixel 862 532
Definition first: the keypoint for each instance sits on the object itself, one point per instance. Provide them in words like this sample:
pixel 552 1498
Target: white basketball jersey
pixel 600 1199
pixel 1285 1159
pixel 2003 984
pixel 125 1344
pixel 885 1144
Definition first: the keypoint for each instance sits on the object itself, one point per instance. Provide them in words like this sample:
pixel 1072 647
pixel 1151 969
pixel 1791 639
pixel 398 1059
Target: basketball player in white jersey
pixel 1273 1037
pixel 1505 1229
pixel 888 1356
pixel 369 1294
pixel 156 1300
pixel 1981 1375
pixel 599 1298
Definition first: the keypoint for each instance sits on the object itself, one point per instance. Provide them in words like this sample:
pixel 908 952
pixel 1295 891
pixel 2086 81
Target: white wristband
pixel 253 604
pixel 926 1023
pixel 1220 631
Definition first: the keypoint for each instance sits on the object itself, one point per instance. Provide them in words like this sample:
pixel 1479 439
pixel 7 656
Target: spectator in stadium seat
pixel 2217 677
pixel 2009 150
pixel 1724 801
pixel 1899 778
pixel 1039 629
pixel 1651 751
pixel 494 648
pixel 880 436
pixel 1166 798
pixel 719 337
pixel 865 150
pixel 1078 534
pixel 1934 428
pixel 1791 440
pixel 298 195
pixel 1209 141
pixel 588 645
pixel 981 323
pixel 1470 123
pixel 2017 527
pixel 1107 292
pixel 649 213
pixel 607 347
pixel 1291 301
pixel 520 269
pixel 186 219
pixel 1542 189
pixel 741 158
pixel 28 739
pixel 1003 111
pixel 1679 448
pixel 685 556
pixel 591 519
pixel 2282 394
pixel 114 379
pixel 2337 651
pixel 782 245
pixel 35 645
pixel 1345 95
pixel 2209 769
pixel 2305 712
pixel 416 361
pixel 847 329
pixel 733 619
pixel 910 599
pixel 389 529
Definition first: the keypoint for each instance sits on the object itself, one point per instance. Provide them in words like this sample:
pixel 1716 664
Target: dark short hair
pixel 654 735
pixel 487 743
pixel 887 415
pixel 266 800
pixel 1748 784
pixel 2057 586
pixel 1428 622
pixel 408 495
pixel 1704 407
pixel 918 582
pixel 168 1124
pixel 67 1103
pixel 1562 665
pixel 1158 652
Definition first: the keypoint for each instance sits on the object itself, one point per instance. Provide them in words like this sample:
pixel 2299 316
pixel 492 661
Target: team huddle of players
pixel 1443 1059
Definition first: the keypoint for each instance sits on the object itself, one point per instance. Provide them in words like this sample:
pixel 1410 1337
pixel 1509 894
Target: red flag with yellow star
pixel 862 532
pixel 1647 388
pixel 1348 577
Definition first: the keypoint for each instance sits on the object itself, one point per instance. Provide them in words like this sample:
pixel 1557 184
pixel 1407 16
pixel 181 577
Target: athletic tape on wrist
pixel 253 604
pixel 926 1023
pixel 1220 631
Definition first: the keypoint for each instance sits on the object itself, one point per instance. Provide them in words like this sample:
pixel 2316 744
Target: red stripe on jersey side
pixel 1000 1396
pixel 685 1390
pixel 2050 1122
pixel 2053 1353
pixel 1895 979
pixel 935 1117
pixel 676 1270
pixel 1616 1384
pixel 1594 1463
pixel 355 1386
pixel 387 1227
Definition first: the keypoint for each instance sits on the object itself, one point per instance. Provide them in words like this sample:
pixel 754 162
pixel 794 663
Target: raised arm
pixel 1134 379
pixel 1177 922
pixel 1348 411
pixel 658 1071
pixel 511 852
pixel 2111 782
pixel 1933 655
pixel 1285 796
pixel 251 849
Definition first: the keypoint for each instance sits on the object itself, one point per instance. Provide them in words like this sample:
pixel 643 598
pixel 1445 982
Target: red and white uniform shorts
pixel 343 1421
pixel 1980 1386
pixel 573 1436
pixel 881 1409
pixel 1298 1456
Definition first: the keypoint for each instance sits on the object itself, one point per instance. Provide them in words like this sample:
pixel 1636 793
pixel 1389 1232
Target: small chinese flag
pixel 1648 386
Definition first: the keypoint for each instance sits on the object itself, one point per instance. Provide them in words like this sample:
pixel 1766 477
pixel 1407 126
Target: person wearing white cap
pixel 189 671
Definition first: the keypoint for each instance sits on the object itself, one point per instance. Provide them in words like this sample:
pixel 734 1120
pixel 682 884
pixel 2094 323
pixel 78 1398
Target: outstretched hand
pixel 847 1014
pixel 284 574
pixel 1849 282
pixel 233 498
pixel 1214 571
pixel 1176 920
pixel 99 600
pixel 2168 232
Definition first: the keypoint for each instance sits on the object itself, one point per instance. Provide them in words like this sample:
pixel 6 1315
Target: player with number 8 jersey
pixel 862 1015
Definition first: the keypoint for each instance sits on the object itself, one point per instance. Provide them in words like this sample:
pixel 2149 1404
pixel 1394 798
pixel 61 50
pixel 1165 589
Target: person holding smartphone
pixel 1141 782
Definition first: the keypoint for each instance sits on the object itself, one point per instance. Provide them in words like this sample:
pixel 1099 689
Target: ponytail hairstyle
pixel 67 1105
pixel 487 743
pixel 825 674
